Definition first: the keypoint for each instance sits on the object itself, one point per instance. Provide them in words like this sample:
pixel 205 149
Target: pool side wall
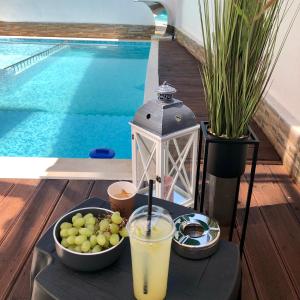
pixel 101 31
pixel 278 128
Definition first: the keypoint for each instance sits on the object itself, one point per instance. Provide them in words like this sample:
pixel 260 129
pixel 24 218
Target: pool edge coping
pixel 73 38
pixel 65 168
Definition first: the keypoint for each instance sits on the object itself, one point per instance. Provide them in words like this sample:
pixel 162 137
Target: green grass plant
pixel 240 39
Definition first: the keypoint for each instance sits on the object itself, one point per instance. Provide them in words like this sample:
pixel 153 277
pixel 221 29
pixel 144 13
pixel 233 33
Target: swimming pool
pixel 76 99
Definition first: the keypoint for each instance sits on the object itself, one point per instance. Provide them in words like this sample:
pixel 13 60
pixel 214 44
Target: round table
pixel 217 277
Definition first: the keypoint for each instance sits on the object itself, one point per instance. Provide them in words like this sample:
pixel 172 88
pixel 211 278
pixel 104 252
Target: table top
pixel 217 277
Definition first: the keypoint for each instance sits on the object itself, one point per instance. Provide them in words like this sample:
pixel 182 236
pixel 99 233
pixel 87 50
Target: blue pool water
pixel 162 17
pixel 80 98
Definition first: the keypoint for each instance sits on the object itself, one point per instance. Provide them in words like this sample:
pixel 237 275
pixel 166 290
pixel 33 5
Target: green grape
pixel 85 247
pixel 107 234
pixel 85 231
pixel 114 239
pixel 71 239
pixel 64 233
pixel 80 239
pixel 104 224
pixel 73 231
pixel 90 227
pixel 116 218
pixel 78 215
pixel 78 222
pixel 106 245
pixel 101 240
pixel 96 249
pixel 77 248
pixel 90 220
pixel 93 240
pixel 87 216
pixel 71 247
pixel 114 228
pixel 96 227
pixel 65 243
pixel 123 232
pixel 65 225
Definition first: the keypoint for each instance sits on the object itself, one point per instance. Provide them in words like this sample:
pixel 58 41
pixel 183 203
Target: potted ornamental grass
pixel 241 48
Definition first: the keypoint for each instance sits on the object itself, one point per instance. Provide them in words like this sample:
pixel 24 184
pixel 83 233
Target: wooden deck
pixel 271 264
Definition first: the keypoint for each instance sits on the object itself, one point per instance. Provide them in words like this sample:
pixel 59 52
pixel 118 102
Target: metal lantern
pixel 164 148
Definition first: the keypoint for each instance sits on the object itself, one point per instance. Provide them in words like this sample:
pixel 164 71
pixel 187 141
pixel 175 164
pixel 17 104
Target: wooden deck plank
pixel 21 289
pixel 288 187
pixel 100 189
pixel 270 277
pixel 5 186
pixel 75 192
pixel 13 204
pixel 18 244
pixel 281 222
pixel 248 289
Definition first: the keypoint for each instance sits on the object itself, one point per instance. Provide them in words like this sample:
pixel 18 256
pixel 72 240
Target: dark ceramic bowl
pixel 85 261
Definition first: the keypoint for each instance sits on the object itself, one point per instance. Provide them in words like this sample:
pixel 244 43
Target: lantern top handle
pixel 165 92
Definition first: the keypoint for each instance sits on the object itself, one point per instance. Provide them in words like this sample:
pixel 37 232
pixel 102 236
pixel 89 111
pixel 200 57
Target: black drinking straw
pixel 149 208
pixel 148 233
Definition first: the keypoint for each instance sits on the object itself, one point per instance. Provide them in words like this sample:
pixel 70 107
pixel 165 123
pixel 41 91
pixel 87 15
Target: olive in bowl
pixel 89 239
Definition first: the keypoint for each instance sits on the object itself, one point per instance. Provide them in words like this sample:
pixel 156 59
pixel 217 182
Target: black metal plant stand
pixel 208 139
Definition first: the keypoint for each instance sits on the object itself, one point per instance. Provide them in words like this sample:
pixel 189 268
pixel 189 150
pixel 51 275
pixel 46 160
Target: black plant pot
pixel 226 157
pixel 224 162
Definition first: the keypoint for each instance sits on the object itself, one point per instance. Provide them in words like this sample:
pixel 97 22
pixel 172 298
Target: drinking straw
pixel 148 233
pixel 149 208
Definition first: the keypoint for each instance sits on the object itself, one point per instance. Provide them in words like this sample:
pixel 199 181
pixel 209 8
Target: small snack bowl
pixel 85 261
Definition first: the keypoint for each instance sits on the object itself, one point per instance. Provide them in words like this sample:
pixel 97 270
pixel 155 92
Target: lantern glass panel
pixel 146 163
pixel 178 172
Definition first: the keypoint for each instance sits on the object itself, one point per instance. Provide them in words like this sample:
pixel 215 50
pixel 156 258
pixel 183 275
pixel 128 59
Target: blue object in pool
pixel 102 153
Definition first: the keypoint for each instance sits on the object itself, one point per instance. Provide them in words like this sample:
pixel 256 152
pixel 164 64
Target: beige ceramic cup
pixel 121 197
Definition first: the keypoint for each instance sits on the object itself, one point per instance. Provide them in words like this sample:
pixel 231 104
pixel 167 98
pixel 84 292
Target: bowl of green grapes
pixel 89 239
